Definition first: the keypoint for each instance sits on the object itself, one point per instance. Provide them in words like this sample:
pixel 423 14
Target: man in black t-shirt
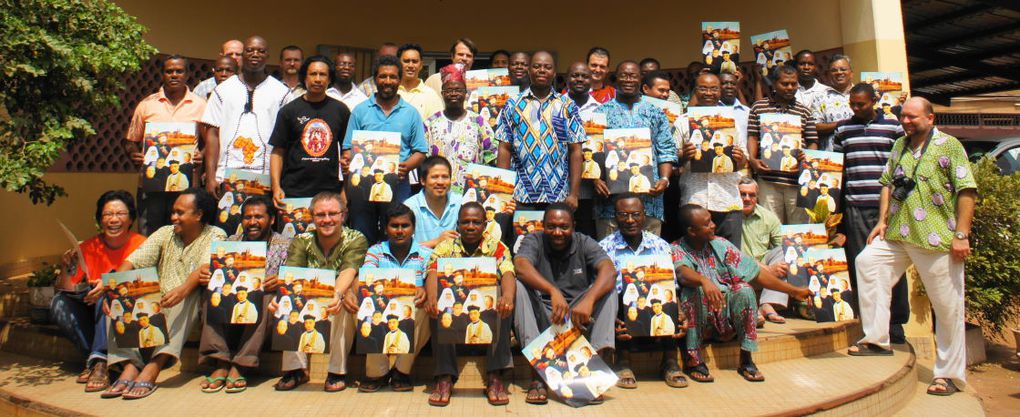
pixel 306 157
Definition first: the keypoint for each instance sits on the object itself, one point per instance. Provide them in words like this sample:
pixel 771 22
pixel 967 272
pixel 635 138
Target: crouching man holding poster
pixel 563 274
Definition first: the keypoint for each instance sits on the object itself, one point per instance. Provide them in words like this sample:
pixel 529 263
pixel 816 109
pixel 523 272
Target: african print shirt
pixel 305 252
pixel 490 246
pixel 380 256
pixel 830 107
pixel 617 247
pixel 643 114
pixel 927 218
pixel 539 131
pixel 719 261
pixel 463 141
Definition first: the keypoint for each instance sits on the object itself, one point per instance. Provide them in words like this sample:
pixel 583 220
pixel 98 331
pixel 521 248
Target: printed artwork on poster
pixel 373 167
pixel 780 139
pixel 629 160
pixel 797 239
pixel 829 282
pixel 647 288
pixel 889 86
pixel 136 318
pixel 385 319
pixel 236 187
pixel 721 45
pixel 489 101
pixel 571 367
pixel 821 181
pixel 235 287
pixel 771 50
pixel 491 77
pixel 713 133
pixel 297 218
pixel 301 322
pixel 494 189
pixel 467 289
pixel 168 156
pixel 673 112
pixel 526 222
pixel 592 149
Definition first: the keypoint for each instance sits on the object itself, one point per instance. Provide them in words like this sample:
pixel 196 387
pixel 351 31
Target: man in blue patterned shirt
pixel 630 110
pixel 631 239
pixel 399 251
pixel 540 135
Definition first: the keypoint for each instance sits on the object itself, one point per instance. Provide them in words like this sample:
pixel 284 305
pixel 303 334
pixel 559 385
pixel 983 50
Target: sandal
pixel 99 379
pixel 84 376
pixel 868 349
pixel 496 392
pixel 776 318
pixel 673 376
pixel 210 389
pixel 149 386
pixel 751 373
pixel 537 393
pixel 401 382
pixel 700 374
pixel 947 387
pixel 626 379
pixel 371 384
pixel 334 383
pixel 291 380
pixel 110 393
pixel 441 394
pixel 236 389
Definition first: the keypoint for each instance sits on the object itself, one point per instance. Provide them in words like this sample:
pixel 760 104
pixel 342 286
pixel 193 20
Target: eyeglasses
pixel 708 89
pixel 628 216
pixel 110 215
pixel 334 215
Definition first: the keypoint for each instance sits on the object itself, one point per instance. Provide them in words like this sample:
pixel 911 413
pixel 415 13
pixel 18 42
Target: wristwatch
pixel 960 235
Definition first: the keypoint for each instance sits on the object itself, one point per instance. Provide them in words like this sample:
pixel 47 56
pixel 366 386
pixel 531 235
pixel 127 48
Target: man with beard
pixel 385 111
pixel 564 275
pixel 518 70
pixel 343 87
pixel 240 118
pixel 233 347
pixel 172 103
pixel 290 61
pixel 471 242
pixel 305 159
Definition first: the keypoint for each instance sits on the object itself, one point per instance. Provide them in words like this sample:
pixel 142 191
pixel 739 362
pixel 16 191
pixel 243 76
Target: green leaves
pixel 993 270
pixel 62 62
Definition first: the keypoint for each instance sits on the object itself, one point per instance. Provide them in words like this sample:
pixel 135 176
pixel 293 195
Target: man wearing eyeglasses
pixel 172 103
pixel 343 87
pixel 241 116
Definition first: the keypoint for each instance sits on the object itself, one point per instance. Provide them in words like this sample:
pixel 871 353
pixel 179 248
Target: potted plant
pixel 40 292
pixel 993 270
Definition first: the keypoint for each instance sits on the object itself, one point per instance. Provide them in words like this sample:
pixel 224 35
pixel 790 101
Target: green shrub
pixel 993 271
pixel 45 276
pixel 61 62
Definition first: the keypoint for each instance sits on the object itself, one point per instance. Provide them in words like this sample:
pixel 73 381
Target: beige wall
pixel 31 231
pixel 667 30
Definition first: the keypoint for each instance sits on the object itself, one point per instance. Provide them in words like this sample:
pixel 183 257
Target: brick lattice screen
pixel 104 151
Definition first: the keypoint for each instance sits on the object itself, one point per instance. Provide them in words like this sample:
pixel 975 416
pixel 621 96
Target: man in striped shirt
pixel 866 140
pixel 778 189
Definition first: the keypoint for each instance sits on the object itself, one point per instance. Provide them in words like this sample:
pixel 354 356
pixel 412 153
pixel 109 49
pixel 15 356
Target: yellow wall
pixel 31 231
pixel 670 31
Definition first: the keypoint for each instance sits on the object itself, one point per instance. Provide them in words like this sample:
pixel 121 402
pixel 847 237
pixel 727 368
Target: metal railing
pixel 997 120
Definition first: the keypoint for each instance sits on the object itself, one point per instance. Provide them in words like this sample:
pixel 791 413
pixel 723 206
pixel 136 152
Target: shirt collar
pixel 373 103
pixel 415 249
pixel 570 250
pixel 620 243
pixel 188 96
pixel 527 94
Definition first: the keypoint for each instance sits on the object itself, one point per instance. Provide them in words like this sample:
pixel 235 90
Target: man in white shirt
pixel 291 57
pixel 232 49
pixel 809 89
pixel 240 116
pixel 462 52
pixel 343 87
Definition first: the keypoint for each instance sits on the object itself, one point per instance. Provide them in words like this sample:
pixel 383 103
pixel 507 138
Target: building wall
pixel 669 31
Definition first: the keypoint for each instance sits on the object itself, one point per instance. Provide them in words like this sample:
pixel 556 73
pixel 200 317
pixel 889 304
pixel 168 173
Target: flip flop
pixel 100 376
pixel 444 387
pixel 209 389
pixel 673 376
pixel 235 389
pixel 868 349
pixel 946 384
pixel 493 389
pixel 750 373
pixel 775 318
pixel 334 379
pixel 541 397
pixel 700 374
pixel 297 377
pixel 151 387
pixel 83 377
pixel 127 383
pixel 623 374
pixel 401 382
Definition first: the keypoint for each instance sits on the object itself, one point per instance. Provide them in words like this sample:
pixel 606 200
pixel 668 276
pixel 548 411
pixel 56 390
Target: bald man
pixel 231 49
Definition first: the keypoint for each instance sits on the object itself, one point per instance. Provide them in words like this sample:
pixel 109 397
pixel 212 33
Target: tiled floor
pixel 791 385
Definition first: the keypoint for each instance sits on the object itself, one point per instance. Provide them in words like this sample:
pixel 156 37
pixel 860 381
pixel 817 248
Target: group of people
pixel 724 244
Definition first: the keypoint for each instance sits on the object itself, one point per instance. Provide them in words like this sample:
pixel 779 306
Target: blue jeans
pixel 369 217
pixel 84 324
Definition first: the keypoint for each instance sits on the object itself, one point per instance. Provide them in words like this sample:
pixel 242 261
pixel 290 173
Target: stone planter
pixel 39 299
pixel 1016 337
pixel 975 344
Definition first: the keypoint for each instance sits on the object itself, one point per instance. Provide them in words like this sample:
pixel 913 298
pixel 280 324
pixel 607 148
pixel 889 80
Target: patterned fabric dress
pixel 732 271
pixel 464 141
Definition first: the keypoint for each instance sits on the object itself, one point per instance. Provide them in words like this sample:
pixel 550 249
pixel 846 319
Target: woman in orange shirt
pixel 79 314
